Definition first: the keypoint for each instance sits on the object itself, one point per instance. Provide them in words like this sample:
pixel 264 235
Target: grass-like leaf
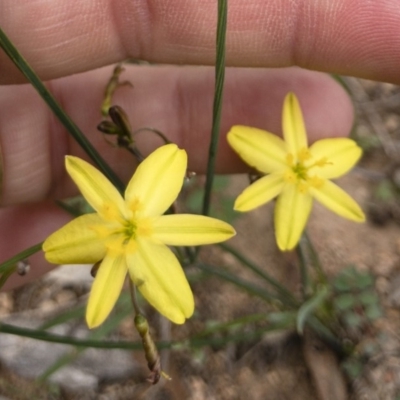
pixel 308 307
pixel 125 308
pixel 217 107
pixel 72 128
pixel 283 295
pixel 239 282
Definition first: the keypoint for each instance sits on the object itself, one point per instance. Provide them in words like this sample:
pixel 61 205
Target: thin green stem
pixel 309 306
pixel 97 334
pixel 193 342
pixel 132 292
pixel 247 286
pixel 303 264
pixel 4 277
pixel 19 257
pixel 217 108
pixel 71 127
pixel 284 293
pixel 315 261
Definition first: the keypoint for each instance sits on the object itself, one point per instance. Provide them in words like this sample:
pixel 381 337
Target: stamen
pixel 315 181
pixel 304 155
pixel 290 159
pixel 303 187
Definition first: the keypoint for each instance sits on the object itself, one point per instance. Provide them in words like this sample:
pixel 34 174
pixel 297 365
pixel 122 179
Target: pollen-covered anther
pixel 290 176
pixel 135 205
pixel 315 181
pixel 303 187
pixel 290 160
pixel 322 162
pixel 304 155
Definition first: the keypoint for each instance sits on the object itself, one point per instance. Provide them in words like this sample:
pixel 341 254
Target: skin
pixel 71 44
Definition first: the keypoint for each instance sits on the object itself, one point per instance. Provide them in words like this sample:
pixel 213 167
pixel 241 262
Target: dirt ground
pixel 280 364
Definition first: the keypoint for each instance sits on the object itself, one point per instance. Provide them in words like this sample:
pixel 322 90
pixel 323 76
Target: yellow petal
pixel 338 201
pixel 76 242
pixel 96 188
pixel 260 149
pixel 291 214
pixel 294 131
pixel 106 288
pixel 157 181
pixel 190 230
pixel 158 275
pixel 259 192
pixel 341 155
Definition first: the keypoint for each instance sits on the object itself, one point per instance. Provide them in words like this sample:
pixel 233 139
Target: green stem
pixel 305 283
pixel 4 277
pixel 217 108
pixel 249 287
pixel 223 326
pixel 20 256
pixel 315 261
pixel 71 127
pixel 188 343
pixel 286 296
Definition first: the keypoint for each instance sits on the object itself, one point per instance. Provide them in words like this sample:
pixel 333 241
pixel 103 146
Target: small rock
pixel 71 275
pixel 30 358
pixel 6 304
pixel 65 296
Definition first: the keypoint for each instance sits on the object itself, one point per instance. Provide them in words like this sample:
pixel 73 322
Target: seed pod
pixel 109 128
pixel 120 119
pixel 150 349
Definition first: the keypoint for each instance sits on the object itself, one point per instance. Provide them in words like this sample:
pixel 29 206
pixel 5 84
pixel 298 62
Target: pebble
pixel 30 358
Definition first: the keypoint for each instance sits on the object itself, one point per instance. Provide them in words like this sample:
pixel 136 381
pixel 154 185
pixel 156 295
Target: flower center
pixel 129 231
pixel 299 170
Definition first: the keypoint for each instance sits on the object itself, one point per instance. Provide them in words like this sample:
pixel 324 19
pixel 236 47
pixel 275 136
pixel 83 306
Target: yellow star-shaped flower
pixel 296 173
pixel 130 235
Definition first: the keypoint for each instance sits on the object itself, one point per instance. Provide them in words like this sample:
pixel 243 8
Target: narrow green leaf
pixel 247 286
pixel 217 108
pixel 124 309
pixel 71 127
pixel 284 295
pixel 19 257
pixel 66 316
pixel 309 306
pixel 133 346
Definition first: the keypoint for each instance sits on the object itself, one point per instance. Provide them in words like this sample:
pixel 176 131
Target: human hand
pixel 345 36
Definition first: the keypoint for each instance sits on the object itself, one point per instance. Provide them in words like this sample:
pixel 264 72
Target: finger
pixel 24 226
pixel 177 101
pixel 343 36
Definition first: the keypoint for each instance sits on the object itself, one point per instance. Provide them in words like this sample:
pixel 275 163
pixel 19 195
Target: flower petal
pixel 106 288
pixel 157 181
pixel 96 188
pixel 190 230
pixel 259 192
pixel 341 155
pixel 294 131
pixel 76 242
pixel 291 214
pixel 158 275
pixel 260 149
pixel 338 201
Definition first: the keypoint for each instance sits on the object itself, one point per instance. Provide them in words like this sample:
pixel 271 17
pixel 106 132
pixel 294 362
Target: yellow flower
pixel 296 173
pixel 129 235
